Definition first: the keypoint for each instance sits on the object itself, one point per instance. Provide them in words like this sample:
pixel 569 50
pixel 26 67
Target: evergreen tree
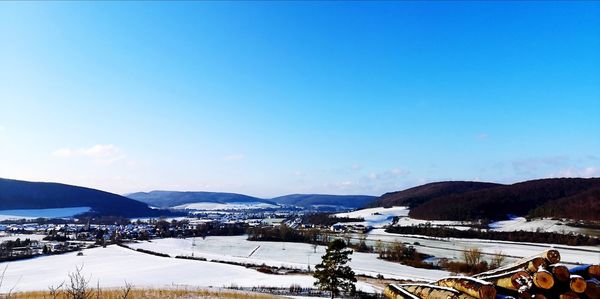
pixel 332 273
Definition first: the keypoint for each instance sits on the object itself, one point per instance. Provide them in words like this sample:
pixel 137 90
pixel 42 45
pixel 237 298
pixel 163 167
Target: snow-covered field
pixel 376 217
pixel 544 225
pixel 209 206
pixel 294 255
pixel 43 213
pixel 112 266
pixel 453 247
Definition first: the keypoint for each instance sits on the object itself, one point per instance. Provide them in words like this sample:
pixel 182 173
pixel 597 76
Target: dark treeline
pixel 517 236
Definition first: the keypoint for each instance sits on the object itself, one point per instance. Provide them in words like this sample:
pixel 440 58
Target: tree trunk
pixel 531 264
pixel 426 291
pixel 543 279
pixel 560 272
pixel 592 289
pixel 577 284
pixel 474 287
pixel 515 280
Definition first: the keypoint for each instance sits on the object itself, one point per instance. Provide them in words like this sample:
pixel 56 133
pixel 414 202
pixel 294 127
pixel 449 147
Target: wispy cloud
pixel 102 153
pixel 585 172
pixel 482 136
pixel 234 157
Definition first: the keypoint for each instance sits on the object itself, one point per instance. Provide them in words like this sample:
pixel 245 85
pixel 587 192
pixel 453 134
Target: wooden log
pixel 552 256
pixel 560 272
pixel 569 295
pixel 586 271
pixel 427 291
pixel 531 264
pixel 592 289
pixel 538 296
pixel 577 284
pixel 397 292
pixel 477 288
pixel 543 279
pixel 515 280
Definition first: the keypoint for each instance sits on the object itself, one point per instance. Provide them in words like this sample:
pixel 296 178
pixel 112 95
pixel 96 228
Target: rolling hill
pixel 314 200
pixel 17 195
pixel 575 198
pixel 170 199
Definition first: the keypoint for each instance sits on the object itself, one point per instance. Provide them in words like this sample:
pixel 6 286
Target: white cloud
pixel 102 153
pixel 584 172
pixel 234 157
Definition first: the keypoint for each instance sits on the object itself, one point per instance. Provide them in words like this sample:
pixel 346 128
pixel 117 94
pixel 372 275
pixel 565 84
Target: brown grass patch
pixel 152 294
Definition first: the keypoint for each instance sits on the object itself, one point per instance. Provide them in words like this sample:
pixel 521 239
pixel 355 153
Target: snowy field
pixel 41 213
pixel 544 225
pixel 209 206
pixel 112 266
pixel 453 247
pixel 375 217
pixel 293 255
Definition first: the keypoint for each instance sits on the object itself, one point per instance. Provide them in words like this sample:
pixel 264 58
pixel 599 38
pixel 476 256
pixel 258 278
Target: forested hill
pixel 16 194
pixel 311 200
pixel 416 196
pixel 574 198
pixel 169 199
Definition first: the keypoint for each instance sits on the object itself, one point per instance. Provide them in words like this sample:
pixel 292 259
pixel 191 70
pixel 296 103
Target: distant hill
pixel 16 194
pixel 168 199
pixel 416 196
pixel 575 198
pixel 310 200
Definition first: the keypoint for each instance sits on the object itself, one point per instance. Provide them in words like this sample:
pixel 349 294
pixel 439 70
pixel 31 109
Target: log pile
pixel 537 277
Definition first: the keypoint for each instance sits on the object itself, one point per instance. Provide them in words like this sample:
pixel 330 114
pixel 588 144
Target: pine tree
pixel 332 273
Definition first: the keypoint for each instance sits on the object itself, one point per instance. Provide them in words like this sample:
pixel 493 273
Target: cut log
pixel 477 288
pixel 543 279
pixel 552 256
pixel 592 289
pixel 531 264
pixel 427 291
pixel 560 272
pixel 569 295
pixel 586 271
pixel 515 280
pixel 538 296
pixel 577 284
pixel 397 292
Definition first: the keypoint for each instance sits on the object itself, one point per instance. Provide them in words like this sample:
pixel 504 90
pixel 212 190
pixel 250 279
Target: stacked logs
pixel 539 277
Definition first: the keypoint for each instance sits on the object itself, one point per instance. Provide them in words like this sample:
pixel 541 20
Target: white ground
pixel 544 225
pixel 452 247
pixel 209 206
pixel 294 255
pixel 112 266
pixel 376 217
pixel 43 213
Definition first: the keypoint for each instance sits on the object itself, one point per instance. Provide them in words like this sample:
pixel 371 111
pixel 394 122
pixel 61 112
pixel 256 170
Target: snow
pixel 209 206
pixel 545 225
pixel 291 255
pixel 453 247
pixel 41 213
pixel 113 266
pixel 375 217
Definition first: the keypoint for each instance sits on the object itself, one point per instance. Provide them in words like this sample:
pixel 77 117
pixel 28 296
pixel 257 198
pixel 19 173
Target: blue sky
pixel 298 97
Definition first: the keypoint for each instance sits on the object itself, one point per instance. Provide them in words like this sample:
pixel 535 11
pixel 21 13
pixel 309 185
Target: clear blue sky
pixel 298 97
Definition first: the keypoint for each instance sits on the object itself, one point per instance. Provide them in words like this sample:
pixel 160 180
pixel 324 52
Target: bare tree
pixel 78 287
pixel 126 290
pixel 55 291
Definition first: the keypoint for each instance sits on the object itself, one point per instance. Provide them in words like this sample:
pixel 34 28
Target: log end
pixel 592 289
pixel 594 271
pixel 519 278
pixel 543 280
pixel 553 256
pixel 561 273
pixel 577 284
